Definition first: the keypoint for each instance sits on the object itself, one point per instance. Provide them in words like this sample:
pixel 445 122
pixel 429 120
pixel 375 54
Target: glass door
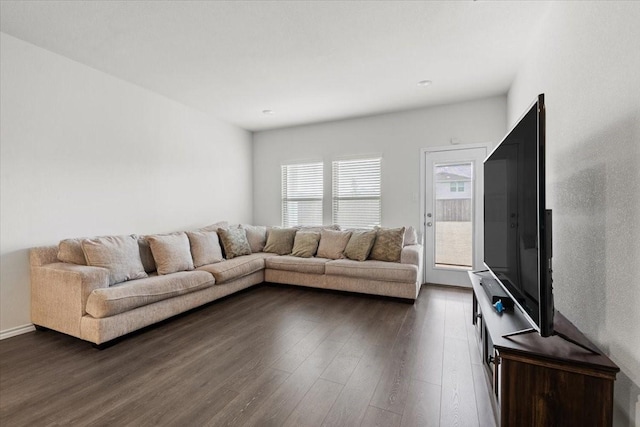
pixel 453 214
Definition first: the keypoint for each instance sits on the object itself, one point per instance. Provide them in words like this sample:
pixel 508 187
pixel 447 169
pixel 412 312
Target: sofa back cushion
pixel 305 244
pixel 171 252
pixel 360 245
pixel 118 254
pixel 205 247
pixel 388 244
pixel 333 243
pixel 280 241
pixel 234 242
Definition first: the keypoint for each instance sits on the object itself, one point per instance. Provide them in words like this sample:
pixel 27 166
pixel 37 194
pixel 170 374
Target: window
pixel 457 186
pixel 356 193
pixel 302 194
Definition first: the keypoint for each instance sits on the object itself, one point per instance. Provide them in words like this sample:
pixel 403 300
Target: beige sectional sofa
pixel 82 301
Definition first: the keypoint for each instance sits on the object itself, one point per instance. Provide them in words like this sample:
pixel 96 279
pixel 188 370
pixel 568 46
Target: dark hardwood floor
pixel 271 356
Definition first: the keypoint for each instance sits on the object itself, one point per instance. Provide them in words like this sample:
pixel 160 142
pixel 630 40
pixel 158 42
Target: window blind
pixel 302 191
pixel 356 193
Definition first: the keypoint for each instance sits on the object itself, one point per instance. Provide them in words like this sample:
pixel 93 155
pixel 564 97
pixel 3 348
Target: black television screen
pixel 517 228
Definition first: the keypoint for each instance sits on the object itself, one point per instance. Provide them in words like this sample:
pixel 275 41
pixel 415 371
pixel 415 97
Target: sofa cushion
pixel 360 245
pixel 373 270
pixel 205 247
pixel 230 269
pixel 280 241
pixel 234 242
pixel 299 265
pixel 70 250
pixel 129 295
pixel 305 244
pixel 388 244
pixel 333 243
pixel 256 236
pixel 118 254
pixel 171 252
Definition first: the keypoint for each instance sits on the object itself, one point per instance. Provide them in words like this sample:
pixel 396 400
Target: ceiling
pixel 306 61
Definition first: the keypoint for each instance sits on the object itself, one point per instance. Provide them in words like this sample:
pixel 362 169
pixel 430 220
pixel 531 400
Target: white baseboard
pixel 18 330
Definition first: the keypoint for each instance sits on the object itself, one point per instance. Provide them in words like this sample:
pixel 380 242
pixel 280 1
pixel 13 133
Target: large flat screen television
pixel 517 227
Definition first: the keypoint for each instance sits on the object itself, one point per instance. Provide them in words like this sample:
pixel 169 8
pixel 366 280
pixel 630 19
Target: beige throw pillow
pixel 70 250
pixel 205 247
pixel 333 243
pixel 360 245
pixel 305 244
pixel 280 241
pixel 234 242
pixel 256 236
pixel 171 252
pixel 388 244
pixel 118 254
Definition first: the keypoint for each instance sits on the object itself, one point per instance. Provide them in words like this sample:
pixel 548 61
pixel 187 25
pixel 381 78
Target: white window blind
pixel 302 194
pixel 356 193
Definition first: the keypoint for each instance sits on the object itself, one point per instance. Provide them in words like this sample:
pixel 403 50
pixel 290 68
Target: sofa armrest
pixel 59 293
pixel 412 254
pixel 43 255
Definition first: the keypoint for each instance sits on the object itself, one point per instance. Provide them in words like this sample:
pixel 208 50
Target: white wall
pixel 398 137
pixel 587 62
pixel 86 154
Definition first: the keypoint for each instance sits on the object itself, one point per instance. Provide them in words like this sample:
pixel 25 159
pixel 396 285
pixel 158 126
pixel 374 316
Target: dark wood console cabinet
pixel 540 381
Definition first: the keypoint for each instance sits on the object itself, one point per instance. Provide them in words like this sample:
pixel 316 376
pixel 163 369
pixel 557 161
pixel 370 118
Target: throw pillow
pixel 171 252
pixel 234 242
pixel 257 236
pixel 118 254
pixel 145 255
pixel 280 241
pixel 70 250
pixel 410 236
pixel 215 226
pixel 388 244
pixel 333 243
pixel 305 244
pixel 360 245
pixel 205 247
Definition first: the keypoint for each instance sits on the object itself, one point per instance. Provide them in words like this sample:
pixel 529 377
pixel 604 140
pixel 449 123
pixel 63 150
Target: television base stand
pixel 555 333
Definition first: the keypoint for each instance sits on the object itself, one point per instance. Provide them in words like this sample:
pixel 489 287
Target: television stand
pixel 555 333
pixel 536 380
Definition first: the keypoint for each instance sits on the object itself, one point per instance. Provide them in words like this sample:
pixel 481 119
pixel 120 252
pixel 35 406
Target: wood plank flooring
pixel 270 356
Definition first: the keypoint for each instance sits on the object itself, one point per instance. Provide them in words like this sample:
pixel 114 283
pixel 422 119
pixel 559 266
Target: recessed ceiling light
pixel 268 112
pixel 424 83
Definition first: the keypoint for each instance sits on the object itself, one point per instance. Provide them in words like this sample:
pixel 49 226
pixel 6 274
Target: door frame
pixel 422 195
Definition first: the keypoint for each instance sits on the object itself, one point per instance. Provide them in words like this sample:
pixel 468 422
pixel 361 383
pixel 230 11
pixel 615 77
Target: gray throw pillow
pixel 171 252
pixel 257 236
pixel 118 254
pixel 205 247
pixel 305 244
pixel 388 244
pixel 280 241
pixel 234 242
pixel 333 243
pixel 360 245
pixel 146 256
